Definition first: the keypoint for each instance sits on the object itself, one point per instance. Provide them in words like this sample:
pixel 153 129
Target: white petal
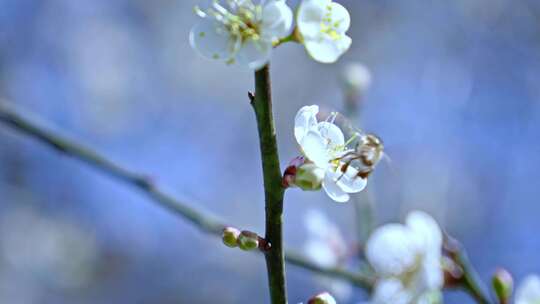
pixel 332 189
pixel 310 16
pixel 305 120
pixel 391 291
pixel 340 17
pixel 211 39
pixel 427 231
pixel 326 49
pixel 350 182
pixel 528 291
pixel 391 251
pixel 314 148
pixel 431 274
pixel 277 20
pixel 332 134
pixel 254 54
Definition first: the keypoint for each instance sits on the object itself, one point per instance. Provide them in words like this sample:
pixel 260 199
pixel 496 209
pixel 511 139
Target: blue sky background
pixel 455 97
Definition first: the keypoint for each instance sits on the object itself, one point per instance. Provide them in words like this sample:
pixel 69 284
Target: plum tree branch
pixel 206 223
pixel 273 189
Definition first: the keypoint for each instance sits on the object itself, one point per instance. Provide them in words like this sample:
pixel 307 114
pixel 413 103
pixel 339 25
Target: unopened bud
pixel 503 284
pixel 322 298
pixel 355 78
pixel 453 273
pixel 289 176
pixel 309 177
pixel 248 240
pixel 230 236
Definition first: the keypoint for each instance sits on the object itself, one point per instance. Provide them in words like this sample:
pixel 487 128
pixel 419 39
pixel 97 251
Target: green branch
pixel 206 223
pixel 273 190
pixel 469 279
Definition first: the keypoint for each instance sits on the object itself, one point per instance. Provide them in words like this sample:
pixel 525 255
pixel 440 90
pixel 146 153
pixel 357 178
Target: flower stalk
pixel 273 189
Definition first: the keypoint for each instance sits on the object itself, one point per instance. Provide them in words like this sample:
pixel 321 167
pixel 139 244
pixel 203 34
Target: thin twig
pixel 470 280
pixel 203 221
pixel 358 279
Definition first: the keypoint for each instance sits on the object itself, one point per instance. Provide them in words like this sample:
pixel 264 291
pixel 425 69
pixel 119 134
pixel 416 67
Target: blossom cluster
pixel 246 31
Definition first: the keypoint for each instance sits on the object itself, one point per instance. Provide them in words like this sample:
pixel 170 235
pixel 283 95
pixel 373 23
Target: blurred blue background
pixel 455 96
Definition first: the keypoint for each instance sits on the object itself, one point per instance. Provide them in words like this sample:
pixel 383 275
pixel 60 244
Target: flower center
pixel 330 27
pixel 241 20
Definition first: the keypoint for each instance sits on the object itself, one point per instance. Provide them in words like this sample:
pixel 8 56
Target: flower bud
pixel 248 240
pixel 289 176
pixel 453 273
pixel 322 298
pixel 230 236
pixel 503 284
pixel 309 177
pixel 355 78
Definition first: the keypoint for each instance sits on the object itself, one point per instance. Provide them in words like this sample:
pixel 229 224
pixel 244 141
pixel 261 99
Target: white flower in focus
pixel 326 247
pixel 322 25
pixel 323 144
pixel 241 31
pixel 407 260
pixel 528 291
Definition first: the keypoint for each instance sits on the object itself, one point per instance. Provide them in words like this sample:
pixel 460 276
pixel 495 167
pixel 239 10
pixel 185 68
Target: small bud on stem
pixel 322 298
pixel 453 273
pixel 503 284
pixel 303 174
pixel 248 241
pixel 230 237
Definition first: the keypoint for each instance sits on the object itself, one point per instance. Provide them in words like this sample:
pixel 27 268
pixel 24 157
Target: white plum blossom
pixel 241 31
pixel 326 247
pixel 322 25
pixel 407 261
pixel 323 144
pixel 528 291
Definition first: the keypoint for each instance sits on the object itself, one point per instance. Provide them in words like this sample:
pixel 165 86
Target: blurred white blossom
pixel 326 247
pixel 407 260
pixel 323 144
pixel 355 78
pixel 241 31
pixel 528 291
pixel 322 25
pixel 53 251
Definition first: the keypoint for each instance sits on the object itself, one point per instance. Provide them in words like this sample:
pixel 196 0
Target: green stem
pixel 471 283
pixel 273 190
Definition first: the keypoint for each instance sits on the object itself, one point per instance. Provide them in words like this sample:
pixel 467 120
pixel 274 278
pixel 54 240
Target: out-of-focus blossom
pixel 355 79
pixel 52 251
pixel 241 31
pixel 323 144
pixel 407 260
pixel 528 292
pixel 322 25
pixel 326 247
